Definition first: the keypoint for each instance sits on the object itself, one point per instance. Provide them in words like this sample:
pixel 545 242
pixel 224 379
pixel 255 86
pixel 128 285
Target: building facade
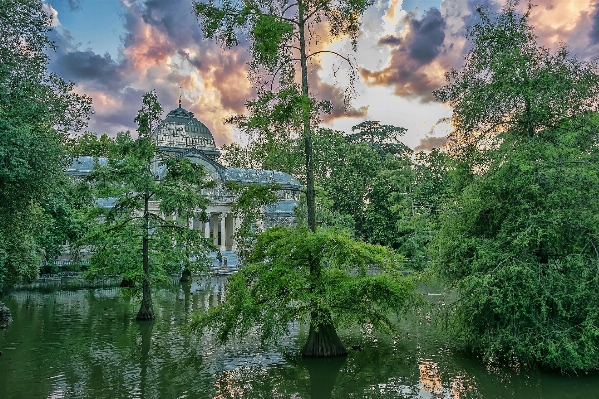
pixel 182 135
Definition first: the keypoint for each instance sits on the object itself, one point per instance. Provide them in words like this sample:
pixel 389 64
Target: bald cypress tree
pixel 281 33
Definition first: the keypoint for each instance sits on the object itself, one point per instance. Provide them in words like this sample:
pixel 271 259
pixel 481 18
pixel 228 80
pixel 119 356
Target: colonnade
pixel 221 225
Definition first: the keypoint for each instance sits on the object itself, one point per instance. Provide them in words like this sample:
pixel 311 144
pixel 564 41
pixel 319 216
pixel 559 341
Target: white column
pixel 223 232
pixel 190 223
pixel 215 219
pixel 207 228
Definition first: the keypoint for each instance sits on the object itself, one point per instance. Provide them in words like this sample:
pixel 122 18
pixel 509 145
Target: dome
pixel 181 130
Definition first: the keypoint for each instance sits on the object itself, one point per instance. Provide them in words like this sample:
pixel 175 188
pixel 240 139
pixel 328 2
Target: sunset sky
pixel 116 50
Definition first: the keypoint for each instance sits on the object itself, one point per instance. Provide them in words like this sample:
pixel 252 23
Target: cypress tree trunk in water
pixel 146 311
pixel 323 342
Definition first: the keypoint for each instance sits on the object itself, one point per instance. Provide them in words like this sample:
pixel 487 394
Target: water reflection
pixel 87 344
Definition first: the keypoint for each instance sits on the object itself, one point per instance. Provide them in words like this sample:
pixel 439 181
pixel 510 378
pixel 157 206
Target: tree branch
pixel 331 52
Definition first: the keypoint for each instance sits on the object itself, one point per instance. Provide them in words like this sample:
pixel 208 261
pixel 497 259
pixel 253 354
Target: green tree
pixel 89 144
pixel 37 108
pixel 358 283
pixel 279 32
pixel 142 244
pixel 511 84
pixel 518 241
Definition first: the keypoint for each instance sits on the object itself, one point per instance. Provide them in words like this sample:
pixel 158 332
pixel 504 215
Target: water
pixel 87 344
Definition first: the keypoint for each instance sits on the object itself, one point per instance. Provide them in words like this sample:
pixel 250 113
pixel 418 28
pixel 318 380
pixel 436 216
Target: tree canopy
pixel 37 108
pixel 358 283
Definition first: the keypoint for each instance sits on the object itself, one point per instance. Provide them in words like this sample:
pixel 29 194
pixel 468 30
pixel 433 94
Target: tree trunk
pixel 310 194
pixel 185 275
pixel 323 342
pixel 146 311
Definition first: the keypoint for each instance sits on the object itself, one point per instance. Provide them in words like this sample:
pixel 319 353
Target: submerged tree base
pixel 323 343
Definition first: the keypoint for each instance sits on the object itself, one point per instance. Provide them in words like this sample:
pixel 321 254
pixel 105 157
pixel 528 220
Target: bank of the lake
pixel 87 344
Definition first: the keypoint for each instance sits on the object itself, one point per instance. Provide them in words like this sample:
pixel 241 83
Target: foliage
pixel 359 284
pixel 249 209
pixel 136 171
pixel 518 241
pixel 511 84
pixel 36 109
pixel 280 34
pixel 89 144
pixel 521 246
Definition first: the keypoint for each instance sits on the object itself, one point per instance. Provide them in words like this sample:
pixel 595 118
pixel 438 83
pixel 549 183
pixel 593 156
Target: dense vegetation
pixel 37 108
pixel 519 240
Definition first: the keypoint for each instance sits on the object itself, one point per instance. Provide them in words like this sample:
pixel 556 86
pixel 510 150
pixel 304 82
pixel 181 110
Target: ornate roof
pixel 193 127
pixel 180 130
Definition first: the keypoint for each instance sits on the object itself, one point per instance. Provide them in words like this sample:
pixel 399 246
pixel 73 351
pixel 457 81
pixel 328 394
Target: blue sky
pixel 115 50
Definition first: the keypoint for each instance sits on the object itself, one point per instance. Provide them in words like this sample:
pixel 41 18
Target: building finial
pixel 180 95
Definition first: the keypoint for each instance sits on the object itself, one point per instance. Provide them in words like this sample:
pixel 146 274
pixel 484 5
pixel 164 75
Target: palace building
pixel 182 135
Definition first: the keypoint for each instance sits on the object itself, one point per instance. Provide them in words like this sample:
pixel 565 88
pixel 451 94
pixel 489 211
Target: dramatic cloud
pixel 162 48
pixel 87 66
pixel 409 70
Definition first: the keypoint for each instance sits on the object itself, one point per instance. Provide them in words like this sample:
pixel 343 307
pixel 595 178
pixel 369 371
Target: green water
pixel 87 344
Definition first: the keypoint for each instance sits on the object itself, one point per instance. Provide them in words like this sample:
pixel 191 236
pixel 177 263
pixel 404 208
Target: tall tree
pixel 510 84
pixel 519 241
pixel 37 108
pixel 280 34
pixel 130 234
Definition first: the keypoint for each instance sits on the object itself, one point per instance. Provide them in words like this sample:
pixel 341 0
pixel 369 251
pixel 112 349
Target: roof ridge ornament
pixel 180 95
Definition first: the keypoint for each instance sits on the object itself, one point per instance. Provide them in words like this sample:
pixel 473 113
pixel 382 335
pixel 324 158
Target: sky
pixel 116 50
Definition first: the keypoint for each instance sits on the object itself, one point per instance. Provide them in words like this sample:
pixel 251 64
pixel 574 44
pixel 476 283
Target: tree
pixel 280 35
pixel 511 84
pixel 518 242
pixel 358 283
pixel 129 234
pixel 37 108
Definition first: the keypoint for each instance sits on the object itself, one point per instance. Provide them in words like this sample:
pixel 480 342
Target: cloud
pixel 419 44
pixel 87 66
pixel 430 143
pixel 594 33
pixel 162 49
pixel 426 36
pixel 389 40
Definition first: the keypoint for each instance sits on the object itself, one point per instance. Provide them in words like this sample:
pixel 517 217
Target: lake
pixel 87 344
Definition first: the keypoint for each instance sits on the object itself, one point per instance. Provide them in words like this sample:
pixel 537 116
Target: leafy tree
pixel 521 247
pixel 249 208
pixel 277 285
pixel 132 240
pixel 279 32
pixel 36 109
pixel 511 84
pixel 89 144
pixel 384 139
pixel 519 240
